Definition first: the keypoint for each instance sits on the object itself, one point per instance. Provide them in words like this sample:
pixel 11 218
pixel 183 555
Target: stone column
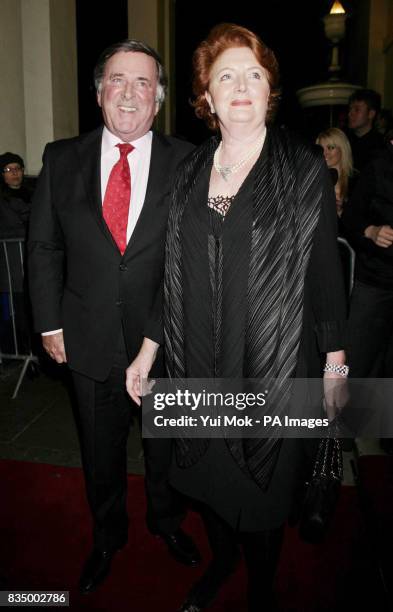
pixel 12 104
pixel 37 77
pixel 50 74
pixel 38 65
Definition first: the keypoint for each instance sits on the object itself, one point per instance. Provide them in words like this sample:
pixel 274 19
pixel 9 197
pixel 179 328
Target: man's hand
pixel 54 346
pixel 381 235
pixel 140 368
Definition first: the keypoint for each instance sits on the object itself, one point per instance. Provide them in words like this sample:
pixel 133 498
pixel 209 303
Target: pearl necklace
pixel 226 171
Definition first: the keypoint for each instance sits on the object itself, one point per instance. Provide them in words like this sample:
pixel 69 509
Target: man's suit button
pixel 119 303
pixel 123 267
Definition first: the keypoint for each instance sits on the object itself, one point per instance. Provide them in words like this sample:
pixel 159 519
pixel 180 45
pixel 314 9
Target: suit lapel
pixel 159 182
pixel 89 152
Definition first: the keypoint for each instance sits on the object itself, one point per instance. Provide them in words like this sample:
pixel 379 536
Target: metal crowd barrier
pixel 12 272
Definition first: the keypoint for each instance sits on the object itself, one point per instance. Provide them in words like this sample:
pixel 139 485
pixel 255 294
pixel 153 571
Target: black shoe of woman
pixel 190 607
pixel 204 591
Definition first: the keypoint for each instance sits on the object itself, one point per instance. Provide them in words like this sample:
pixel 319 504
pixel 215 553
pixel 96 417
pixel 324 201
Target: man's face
pixel 127 95
pixel 360 117
pixel 13 175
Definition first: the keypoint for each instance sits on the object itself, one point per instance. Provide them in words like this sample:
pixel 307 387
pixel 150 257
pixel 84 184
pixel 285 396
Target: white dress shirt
pixel 139 163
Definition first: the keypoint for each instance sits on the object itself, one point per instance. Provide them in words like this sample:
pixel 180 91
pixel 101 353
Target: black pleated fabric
pixel 282 235
pixel 287 190
pixel 215 275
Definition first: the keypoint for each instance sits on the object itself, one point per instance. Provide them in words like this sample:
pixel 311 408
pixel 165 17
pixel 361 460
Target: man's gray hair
pixel 132 46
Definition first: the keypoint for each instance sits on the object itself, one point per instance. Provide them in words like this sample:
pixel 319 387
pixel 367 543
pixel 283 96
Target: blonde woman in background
pixel 338 155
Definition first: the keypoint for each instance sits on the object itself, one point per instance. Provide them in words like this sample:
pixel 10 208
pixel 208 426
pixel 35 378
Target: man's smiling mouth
pixel 127 109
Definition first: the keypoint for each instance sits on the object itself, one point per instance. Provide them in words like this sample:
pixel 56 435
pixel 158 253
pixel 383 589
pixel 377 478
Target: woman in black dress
pixel 253 289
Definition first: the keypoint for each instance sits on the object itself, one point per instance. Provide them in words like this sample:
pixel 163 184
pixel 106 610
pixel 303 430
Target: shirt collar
pixel 109 141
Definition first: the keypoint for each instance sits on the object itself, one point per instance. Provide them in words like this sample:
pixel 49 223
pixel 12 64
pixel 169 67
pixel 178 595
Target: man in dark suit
pixel 96 251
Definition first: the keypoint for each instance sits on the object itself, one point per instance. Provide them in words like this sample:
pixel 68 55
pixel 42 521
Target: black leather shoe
pixel 181 547
pixel 204 591
pixel 197 600
pixel 95 570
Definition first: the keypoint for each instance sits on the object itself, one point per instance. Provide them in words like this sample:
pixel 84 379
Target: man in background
pixel 366 141
pixel 368 219
pixel 15 197
pixel 15 203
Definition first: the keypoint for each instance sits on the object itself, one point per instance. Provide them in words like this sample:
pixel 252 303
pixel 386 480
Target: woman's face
pixel 238 89
pixel 332 154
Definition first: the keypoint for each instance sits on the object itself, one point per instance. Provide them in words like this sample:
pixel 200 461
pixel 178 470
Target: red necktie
pixel 117 198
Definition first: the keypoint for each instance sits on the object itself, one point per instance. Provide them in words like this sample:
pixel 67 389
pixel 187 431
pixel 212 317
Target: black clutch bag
pixel 322 491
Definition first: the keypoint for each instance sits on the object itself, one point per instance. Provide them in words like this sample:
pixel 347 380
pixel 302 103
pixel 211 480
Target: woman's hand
pixel 140 368
pixel 335 387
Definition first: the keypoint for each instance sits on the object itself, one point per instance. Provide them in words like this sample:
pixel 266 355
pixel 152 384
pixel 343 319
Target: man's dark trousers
pixel 370 332
pixel 105 418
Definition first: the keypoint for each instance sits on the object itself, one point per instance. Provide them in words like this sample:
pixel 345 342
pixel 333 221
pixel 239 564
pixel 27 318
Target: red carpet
pixel 45 536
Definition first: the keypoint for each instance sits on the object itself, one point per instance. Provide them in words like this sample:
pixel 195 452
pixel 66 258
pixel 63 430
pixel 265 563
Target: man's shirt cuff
pixel 51 333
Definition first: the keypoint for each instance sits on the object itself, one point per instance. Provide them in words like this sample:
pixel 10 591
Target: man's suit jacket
pixel 79 281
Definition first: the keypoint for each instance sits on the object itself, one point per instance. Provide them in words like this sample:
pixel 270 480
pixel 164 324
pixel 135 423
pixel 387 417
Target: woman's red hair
pixel 221 37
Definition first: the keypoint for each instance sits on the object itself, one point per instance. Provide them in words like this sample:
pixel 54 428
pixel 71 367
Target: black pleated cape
pixel 287 195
